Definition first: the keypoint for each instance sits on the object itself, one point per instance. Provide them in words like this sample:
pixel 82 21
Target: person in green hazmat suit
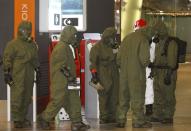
pixel 62 75
pixel 105 72
pixel 133 58
pixel 165 76
pixel 20 60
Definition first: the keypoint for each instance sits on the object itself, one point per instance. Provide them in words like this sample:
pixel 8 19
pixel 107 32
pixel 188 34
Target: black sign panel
pixel 70 21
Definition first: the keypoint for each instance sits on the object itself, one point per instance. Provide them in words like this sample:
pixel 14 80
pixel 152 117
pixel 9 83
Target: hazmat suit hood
pixel 108 37
pixel 25 30
pixel 160 29
pixel 68 35
pixel 108 32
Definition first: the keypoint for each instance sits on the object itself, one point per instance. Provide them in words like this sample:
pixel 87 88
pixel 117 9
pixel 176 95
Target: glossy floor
pixel 181 124
pixel 182 120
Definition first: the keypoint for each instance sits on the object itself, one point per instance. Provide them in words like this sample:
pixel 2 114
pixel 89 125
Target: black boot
pixel 79 126
pixel 149 110
pixel 18 124
pixel 144 125
pixel 41 123
pixel 26 124
pixel 104 121
pixel 111 120
pixel 155 119
pixel 85 126
pixel 120 125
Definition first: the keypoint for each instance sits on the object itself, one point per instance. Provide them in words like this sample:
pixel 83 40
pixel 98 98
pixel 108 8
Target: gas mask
pixel 156 38
pixel 109 37
pixel 26 35
pixel 74 41
pixel 160 29
pixel 24 31
pixel 111 42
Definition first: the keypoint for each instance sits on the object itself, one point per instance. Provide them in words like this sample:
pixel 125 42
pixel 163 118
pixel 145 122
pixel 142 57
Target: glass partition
pixel 176 14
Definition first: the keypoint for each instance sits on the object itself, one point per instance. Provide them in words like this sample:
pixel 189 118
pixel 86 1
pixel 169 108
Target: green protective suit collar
pixel 147 31
pixel 68 34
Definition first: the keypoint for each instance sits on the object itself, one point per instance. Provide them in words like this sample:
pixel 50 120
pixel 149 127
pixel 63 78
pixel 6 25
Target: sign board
pixel 56 14
pixel 24 10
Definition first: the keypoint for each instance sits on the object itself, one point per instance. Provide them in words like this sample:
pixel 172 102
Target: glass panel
pixel 72 6
pixel 176 14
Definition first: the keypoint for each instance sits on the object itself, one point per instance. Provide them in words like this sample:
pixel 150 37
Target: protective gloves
pixel 151 65
pixel 94 78
pixel 95 81
pixel 8 78
pixel 65 70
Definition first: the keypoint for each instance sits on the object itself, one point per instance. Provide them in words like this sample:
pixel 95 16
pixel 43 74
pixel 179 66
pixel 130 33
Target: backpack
pixel 181 56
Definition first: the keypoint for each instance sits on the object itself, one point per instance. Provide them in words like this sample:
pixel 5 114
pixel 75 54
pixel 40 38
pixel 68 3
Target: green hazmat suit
pixel 133 57
pixel 164 100
pixel 61 96
pixel 103 60
pixel 20 59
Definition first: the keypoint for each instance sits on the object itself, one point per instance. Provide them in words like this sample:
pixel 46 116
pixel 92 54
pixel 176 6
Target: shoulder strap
pixel 166 44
